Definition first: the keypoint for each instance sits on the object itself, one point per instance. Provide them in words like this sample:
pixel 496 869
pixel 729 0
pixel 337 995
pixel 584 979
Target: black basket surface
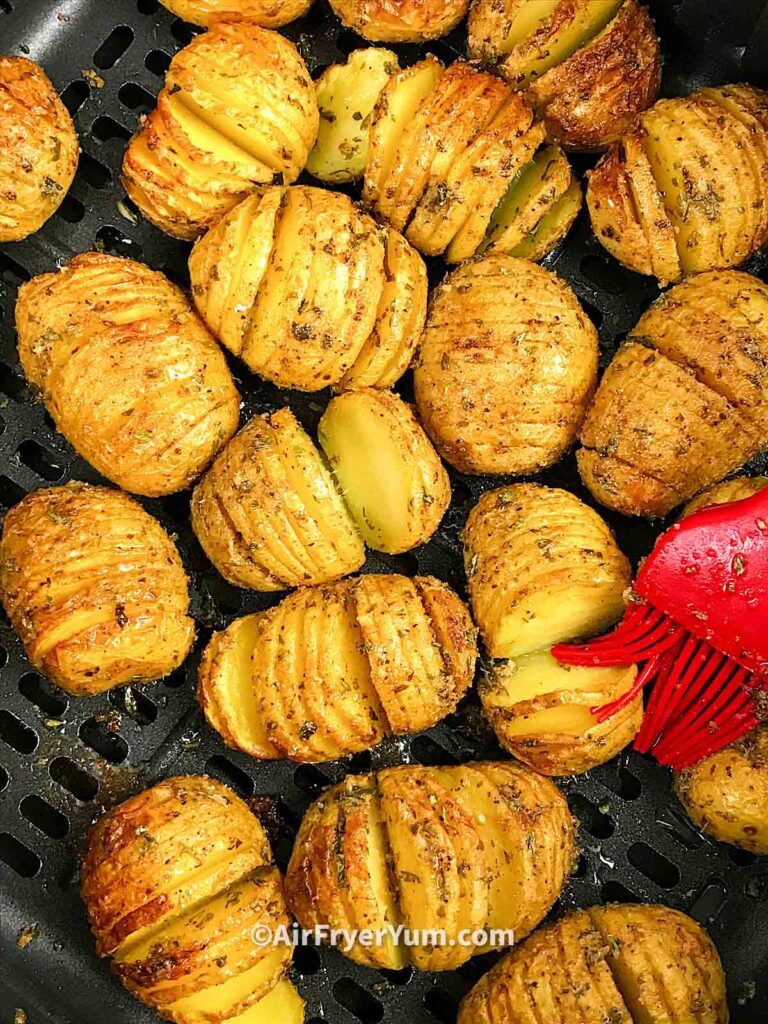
pixel 63 761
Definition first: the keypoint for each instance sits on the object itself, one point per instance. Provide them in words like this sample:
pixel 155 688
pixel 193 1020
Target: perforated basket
pixel 63 761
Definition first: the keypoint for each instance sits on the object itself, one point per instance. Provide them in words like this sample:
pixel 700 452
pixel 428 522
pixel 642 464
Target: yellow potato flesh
pixel 283 1005
pixel 529 18
pixel 552 226
pixel 227 137
pixel 227 997
pixel 203 133
pixel 535 189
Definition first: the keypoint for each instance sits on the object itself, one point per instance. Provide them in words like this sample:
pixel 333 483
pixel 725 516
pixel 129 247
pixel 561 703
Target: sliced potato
pixel 729 490
pixel 400 21
pixel 267 13
pixel 552 227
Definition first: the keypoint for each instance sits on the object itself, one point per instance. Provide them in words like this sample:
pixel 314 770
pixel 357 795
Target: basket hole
pixel 176 679
pixel 75 95
pixel 4 778
pixel 653 865
pixel 43 694
pixel 40 461
pixel 228 599
pixel 592 311
pixel 623 783
pixel 426 751
pixel 614 892
pixel 147 6
pixel 94 172
pixel 360 763
pixel 44 817
pixel 12 272
pixel 10 492
pixel 3 657
pixel 99 737
pixel 71 209
pixel 109 239
pixel 398 978
pixel 158 62
pixel 6 7
pixel 604 273
pixel 105 128
pixel 113 47
pixel 310 780
pixel 357 1001
pixel 582 867
pixel 709 903
pixel 441 1005
pixel 678 826
pixel 595 821
pixel 18 857
pixel 742 858
pixel 73 778
pixel 16 734
pixel 183 32
pixel 136 98
pixel 306 960
pixel 221 768
pixel 12 384
pixel 135 704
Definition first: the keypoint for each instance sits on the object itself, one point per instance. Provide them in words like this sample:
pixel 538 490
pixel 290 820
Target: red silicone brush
pixel 698 623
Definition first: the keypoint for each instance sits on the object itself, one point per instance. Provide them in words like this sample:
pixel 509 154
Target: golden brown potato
pixel 506 366
pixel 542 567
pixel 593 966
pixel 238 111
pixel 39 149
pixel 400 21
pixel 449 165
pixel 394 484
pixel 539 709
pixel 588 66
pixel 726 794
pixel 175 880
pixel 479 846
pixel 333 670
pixel 267 13
pixel 729 490
pixel 94 587
pixel 309 292
pixel 128 372
pixel 685 401
pixel 692 172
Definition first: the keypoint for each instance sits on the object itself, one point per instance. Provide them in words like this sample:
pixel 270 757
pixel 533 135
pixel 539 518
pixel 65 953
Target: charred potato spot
pixel 471 847
pixel 266 13
pixel 238 111
pixel 128 372
pixel 39 149
pixel 94 587
pixel 400 21
pixel 174 881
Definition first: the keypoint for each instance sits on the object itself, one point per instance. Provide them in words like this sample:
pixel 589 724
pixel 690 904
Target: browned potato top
pixel 38 148
pixel 94 587
pixel 267 13
pixel 127 370
pixel 400 21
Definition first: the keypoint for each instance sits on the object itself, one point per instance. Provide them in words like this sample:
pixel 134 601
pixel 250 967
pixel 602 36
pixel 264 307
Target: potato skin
pixel 259 122
pixel 127 370
pixel 592 965
pixel 729 490
pixel 477 846
pixel 701 351
pixel 726 794
pixel 266 13
pixel 380 655
pixel 309 291
pixel 505 368
pixel 39 149
pixel 94 587
pixel 400 21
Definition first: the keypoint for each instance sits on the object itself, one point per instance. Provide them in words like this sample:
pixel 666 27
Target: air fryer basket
pixel 63 761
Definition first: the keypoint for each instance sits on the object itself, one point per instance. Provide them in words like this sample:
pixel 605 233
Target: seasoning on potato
pixel 595 965
pixel 400 21
pixel 505 368
pixel 94 587
pixel 175 880
pixel 332 670
pixel 729 490
pixel 127 370
pixel 587 66
pixel 310 292
pixel 266 13
pixel 457 163
pixel 238 111
pixel 684 402
pixel 686 189
pixel 39 149
pixel 485 846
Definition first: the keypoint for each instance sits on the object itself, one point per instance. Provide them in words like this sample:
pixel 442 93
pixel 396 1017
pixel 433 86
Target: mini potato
pixel 588 66
pixel 506 367
pixel 400 21
pixel 94 587
pixel 729 490
pixel 726 794
pixel 393 482
pixel 333 670
pixel 174 881
pixel 543 568
pixel 593 966
pixel 684 191
pixel 308 291
pixel 267 13
pixel 128 372
pixel 684 402
pixel 455 162
pixel 479 846
pixel 238 111
pixel 39 149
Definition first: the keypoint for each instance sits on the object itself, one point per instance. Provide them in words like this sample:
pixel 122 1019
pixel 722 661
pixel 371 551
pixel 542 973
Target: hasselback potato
pixel 128 372
pixel 94 587
pixel 38 148
pixel 618 964
pixel 400 21
pixel 484 846
pixel 238 111
pixel 729 490
pixel 267 13
pixel 505 368
pixel 309 292
pixel 456 162
pixel 175 880
pixel 588 66
pixel 686 189
pixel 685 400
pixel 332 670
